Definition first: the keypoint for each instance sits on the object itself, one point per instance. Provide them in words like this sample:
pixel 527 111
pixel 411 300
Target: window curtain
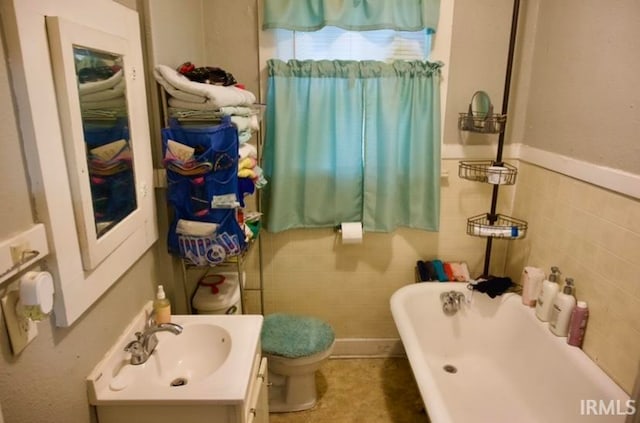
pixel 352 141
pixel 354 15
pixel 313 144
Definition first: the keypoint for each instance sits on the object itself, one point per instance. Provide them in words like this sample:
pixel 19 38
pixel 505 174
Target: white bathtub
pixel 510 367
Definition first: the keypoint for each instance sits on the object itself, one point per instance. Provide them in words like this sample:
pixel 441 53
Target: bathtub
pixel 494 361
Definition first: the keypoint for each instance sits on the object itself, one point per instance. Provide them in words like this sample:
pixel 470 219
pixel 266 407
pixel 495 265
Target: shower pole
pixel 492 216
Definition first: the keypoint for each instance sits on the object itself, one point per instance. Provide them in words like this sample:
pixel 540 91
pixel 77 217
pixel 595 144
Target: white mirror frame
pixel 63 36
pixel 30 63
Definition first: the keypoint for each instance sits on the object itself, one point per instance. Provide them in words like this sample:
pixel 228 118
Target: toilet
pixel 295 347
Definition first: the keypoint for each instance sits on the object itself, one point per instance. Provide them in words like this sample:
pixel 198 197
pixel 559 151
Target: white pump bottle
pixel 562 308
pixel 547 295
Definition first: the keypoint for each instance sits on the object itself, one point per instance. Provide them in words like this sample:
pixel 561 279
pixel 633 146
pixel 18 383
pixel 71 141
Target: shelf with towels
pixel 187 125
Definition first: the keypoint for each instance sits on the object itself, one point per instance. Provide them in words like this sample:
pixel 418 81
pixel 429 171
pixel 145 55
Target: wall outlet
pixel 22 330
pixel 17 251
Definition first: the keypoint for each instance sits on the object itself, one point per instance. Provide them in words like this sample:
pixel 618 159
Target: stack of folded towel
pixel 188 98
pixel 106 95
pixel 437 270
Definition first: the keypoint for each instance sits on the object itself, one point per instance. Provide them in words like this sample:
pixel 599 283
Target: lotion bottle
pixel 563 306
pixel 547 295
pixel 161 307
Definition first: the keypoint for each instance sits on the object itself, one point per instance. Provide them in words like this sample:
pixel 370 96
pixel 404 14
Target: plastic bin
pixel 218 294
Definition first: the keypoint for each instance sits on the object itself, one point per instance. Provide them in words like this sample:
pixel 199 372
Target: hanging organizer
pixel 496 172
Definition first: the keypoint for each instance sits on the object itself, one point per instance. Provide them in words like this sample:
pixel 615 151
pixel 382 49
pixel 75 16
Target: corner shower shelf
pixel 482 123
pixel 504 227
pixel 488 171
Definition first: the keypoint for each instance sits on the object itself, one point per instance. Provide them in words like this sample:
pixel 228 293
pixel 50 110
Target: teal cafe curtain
pixel 353 15
pixel 313 144
pixel 352 141
pixel 402 147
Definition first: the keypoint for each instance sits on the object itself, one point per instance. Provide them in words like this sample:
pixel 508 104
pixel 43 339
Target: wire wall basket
pixel 488 171
pixel 500 226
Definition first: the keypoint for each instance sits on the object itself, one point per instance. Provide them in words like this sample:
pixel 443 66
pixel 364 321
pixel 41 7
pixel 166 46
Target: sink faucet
pixel 451 302
pixel 146 341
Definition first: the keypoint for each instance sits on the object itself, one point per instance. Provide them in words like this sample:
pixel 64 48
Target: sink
pixel 192 356
pixel 210 362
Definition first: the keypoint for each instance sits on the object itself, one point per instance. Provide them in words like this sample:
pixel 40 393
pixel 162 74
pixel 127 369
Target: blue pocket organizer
pixel 228 240
pixel 216 146
pixel 213 173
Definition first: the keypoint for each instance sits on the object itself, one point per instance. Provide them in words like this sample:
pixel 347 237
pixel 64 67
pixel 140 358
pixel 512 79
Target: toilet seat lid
pixel 294 336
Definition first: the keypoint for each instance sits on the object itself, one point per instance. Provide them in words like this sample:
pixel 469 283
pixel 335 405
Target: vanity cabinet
pixel 254 408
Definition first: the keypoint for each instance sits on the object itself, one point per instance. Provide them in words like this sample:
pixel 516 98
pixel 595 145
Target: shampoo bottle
pixel 562 308
pixel 161 307
pixel 578 324
pixel 547 294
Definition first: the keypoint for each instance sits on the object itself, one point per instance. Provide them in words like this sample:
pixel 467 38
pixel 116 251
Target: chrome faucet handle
pixel 137 351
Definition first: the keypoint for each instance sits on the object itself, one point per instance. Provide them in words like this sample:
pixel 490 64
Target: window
pixel 353 130
pixel 332 43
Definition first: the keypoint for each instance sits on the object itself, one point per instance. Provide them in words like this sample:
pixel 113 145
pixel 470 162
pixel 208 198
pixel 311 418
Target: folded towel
pixel 216 95
pixel 116 91
pixel 438 267
pixel 422 271
pixel 237 111
pixel 433 276
pixel 449 271
pixel 105 84
pixel 460 272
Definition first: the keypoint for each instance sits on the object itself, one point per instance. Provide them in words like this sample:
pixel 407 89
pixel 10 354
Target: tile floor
pixel 372 390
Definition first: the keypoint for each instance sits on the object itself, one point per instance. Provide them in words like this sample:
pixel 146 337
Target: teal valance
pixel 351 68
pixel 353 15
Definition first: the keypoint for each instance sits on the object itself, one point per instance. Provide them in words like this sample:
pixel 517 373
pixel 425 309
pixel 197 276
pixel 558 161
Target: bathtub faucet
pixel 451 302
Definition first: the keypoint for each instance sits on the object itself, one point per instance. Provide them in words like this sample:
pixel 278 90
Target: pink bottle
pixel 578 324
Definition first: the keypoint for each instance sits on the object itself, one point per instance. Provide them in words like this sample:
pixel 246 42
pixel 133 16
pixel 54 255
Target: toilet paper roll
pixel 351 232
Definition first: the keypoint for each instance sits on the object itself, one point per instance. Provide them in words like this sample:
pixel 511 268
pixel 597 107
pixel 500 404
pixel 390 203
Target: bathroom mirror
pixel 90 69
pixel 105 124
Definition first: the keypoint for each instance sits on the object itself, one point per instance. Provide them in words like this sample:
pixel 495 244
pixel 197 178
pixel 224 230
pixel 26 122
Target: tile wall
pixel 593 235
pixel 308 271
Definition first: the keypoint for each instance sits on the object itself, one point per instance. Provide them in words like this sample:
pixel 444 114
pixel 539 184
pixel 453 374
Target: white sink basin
pixel 209 362
pixel 192 356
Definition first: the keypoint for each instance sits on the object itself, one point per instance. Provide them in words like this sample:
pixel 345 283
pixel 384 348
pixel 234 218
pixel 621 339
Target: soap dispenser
pixel 562 308
pixel 161 307
pixel 547 295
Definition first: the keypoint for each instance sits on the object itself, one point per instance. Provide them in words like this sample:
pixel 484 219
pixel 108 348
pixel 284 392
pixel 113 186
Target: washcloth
pixel 494 286
pixel 216 95
pixel 295 336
